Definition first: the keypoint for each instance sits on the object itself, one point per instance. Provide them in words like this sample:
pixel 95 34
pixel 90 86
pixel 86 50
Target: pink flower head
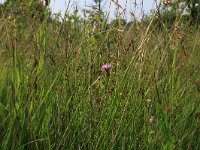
pixel 106 67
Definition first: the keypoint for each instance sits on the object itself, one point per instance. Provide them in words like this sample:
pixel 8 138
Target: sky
pixel 108 6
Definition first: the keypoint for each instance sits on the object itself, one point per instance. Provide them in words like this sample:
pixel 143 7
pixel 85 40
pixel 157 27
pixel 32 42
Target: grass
pixel 53 94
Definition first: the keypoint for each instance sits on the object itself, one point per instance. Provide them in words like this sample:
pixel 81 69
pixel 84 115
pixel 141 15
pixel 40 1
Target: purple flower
pixel 106 67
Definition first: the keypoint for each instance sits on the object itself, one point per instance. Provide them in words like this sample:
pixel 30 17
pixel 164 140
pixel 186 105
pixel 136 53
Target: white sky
pixel 61 6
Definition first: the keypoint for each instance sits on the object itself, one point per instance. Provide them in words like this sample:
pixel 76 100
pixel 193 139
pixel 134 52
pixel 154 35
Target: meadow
pixel 54 93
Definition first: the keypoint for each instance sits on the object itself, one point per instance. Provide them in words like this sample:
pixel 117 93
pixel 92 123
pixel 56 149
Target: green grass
pixel 53 94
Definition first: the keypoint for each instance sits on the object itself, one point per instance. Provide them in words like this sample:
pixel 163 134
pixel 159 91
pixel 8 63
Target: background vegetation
pixel 54 94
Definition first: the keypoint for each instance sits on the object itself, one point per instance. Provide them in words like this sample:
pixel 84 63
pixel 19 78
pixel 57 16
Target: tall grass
pixel 54 95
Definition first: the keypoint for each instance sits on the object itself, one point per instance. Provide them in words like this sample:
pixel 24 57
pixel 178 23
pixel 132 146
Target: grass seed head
pixel 152 120
pixel 198 84
pixel 148 101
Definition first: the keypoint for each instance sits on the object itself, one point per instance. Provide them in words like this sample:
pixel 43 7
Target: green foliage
pixel 169 14
pixel 118 22
pixel 54 95
pixel 195 11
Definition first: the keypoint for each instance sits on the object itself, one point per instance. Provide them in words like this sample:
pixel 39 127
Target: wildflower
pixel 106 68
pixel 196 5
